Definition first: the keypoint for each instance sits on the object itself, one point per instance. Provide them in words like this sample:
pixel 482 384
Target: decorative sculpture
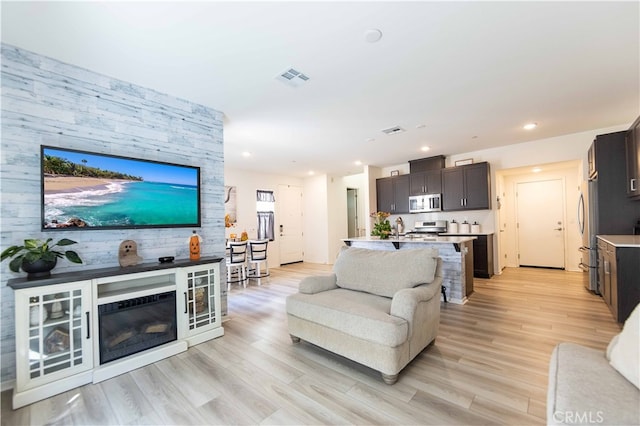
pixel 194 246
pixel 128 253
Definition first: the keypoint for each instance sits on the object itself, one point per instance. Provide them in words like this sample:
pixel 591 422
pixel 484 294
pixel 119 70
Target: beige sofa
pixel 588 386
pixel 378 308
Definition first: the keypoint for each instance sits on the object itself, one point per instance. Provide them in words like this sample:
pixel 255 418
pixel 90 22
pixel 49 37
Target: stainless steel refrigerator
pixel 605 208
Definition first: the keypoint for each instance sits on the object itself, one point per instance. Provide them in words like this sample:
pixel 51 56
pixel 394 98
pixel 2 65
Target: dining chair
pixel 258 257
pixel 236 260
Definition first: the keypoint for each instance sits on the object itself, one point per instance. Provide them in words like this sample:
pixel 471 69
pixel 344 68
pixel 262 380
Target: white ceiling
pixel 473 73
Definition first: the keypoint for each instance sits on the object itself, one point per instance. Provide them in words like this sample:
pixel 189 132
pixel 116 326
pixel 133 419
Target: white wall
pixel 247 183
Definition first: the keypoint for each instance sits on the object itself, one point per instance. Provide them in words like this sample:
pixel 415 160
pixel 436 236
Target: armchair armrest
pixel 316 284
pixel 405 302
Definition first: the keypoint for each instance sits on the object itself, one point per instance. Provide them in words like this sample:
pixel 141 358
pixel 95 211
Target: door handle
pixel 88 325
pixel 557 229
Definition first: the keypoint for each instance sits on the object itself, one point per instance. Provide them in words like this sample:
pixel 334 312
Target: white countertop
pixel 421 239
pixel 621 240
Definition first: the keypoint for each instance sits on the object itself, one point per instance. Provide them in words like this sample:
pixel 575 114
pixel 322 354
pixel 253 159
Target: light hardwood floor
pixel 488 365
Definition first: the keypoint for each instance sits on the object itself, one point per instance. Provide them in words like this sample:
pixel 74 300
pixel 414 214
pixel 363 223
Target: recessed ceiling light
pixel 246 154
pixel 530 126
pixel 536 170
pixel 358 163
pixel 425 148
pixel 373 35
pixel 311 173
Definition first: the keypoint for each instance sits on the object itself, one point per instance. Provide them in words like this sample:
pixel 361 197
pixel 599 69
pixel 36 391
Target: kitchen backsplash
pixel 485 218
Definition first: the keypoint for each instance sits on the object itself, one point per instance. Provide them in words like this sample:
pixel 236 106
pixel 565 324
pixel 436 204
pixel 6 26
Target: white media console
pixel 88 326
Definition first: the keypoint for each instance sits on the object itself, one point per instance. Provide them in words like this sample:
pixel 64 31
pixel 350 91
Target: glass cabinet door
pixel 201 298
pixel 55 321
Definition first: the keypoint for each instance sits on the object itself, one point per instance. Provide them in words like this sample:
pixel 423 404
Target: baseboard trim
pixel 7 385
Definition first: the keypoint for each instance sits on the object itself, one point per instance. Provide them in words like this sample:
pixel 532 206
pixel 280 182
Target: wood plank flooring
pixel 488 365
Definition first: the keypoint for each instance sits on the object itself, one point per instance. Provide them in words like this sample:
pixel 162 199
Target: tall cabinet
pixel 632 147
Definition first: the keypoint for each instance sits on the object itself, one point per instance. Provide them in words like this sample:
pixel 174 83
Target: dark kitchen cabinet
pixel 392 194
pixel 426 164
pixel 429 182
pixel 482 255
pixel 466 187
pixel 618 269
pixel 611 210
pixel 632 148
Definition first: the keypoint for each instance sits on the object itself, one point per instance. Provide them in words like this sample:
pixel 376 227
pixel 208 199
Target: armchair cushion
pixel 385 272
pixel 357 314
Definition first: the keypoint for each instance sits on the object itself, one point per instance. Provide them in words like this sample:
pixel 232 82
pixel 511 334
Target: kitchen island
pixel 456 254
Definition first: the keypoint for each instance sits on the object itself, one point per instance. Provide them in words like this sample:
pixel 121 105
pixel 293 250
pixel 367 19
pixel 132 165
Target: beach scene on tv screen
pixel 84 190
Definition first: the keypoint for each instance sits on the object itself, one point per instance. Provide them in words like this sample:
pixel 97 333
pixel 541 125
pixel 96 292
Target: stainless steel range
pixel 429 227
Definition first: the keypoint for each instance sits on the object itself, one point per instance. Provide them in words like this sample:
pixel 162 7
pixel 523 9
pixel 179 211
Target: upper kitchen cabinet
pixel 632 148
pixel 422 183
pixel 466 187
pixel 393 194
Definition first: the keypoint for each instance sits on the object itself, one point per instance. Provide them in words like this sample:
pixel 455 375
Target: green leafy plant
pixel 34 250
pixel 381 226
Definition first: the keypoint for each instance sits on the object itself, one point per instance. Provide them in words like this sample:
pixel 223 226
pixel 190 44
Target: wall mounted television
pixel 86 190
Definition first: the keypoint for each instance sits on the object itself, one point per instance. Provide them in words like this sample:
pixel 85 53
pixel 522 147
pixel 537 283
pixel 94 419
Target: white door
pixel 289 223
pixel 540 223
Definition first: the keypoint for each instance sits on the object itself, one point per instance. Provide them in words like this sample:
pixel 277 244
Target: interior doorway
pixel 289 223
pixel 540 223
pixel 352 213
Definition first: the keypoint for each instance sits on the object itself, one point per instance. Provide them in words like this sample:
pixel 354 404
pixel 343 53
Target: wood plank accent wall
pixel 47 102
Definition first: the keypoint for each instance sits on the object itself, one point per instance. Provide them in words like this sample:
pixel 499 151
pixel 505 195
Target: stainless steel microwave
pixel 425 203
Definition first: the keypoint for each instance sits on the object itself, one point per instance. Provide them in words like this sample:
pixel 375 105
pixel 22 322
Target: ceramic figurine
pixel 35 317
pixel 128 253
pixel 194 246
pixel 56 309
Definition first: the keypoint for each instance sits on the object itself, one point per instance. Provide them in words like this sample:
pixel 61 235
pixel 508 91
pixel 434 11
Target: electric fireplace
pixel 134 325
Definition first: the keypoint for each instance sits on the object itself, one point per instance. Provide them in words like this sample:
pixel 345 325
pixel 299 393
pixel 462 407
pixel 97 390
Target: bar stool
pixel 258 256
pixel 236 261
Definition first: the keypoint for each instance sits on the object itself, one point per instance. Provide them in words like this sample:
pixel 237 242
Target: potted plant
pixel 381 226
pixel 37 258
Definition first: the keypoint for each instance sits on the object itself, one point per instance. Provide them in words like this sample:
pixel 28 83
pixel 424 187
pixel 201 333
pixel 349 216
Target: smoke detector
pixel 393 130
pixel 292 77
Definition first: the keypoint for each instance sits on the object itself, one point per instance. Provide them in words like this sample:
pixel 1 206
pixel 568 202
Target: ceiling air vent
pixel 393 130
pixel 292 77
